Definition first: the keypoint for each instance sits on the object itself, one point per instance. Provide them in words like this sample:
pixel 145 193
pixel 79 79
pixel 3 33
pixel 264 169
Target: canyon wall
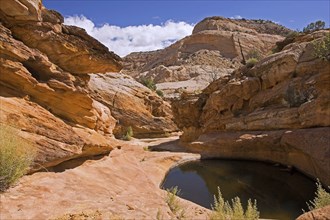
pixel 278 110
pixel 61 90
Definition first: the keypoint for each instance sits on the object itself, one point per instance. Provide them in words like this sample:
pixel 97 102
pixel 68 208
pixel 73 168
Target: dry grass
pixel 16 155
pixel 223 210
pixel 173 202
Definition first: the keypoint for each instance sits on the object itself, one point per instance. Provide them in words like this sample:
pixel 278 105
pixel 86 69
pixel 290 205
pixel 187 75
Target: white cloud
pixel 124 40
pixel 236 17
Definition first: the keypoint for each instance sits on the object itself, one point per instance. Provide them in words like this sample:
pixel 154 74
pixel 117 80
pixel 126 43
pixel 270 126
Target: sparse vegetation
pixel 129 134
pixel 16 155
pixel 322 48
pixel 159 215
pixel 149 82
pixel 173 202
pixel 253 54
pixel 160 93
pixel 322 198
pixel 223 210
pixel 314 26
pixel 251 62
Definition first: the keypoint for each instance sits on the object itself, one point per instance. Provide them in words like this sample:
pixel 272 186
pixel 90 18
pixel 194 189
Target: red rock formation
pixel 284 92
pixel 46 70
pixel 212 51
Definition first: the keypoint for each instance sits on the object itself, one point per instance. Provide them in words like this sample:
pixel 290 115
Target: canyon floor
pixel 122 185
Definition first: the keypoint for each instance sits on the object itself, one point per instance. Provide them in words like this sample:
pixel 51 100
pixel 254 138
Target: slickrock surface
pixel 123 185
pixel 211 52
pixel 283 93
pixel 322 213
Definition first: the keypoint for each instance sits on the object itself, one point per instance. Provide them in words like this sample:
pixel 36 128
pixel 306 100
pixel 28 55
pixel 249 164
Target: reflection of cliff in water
pixel 280 194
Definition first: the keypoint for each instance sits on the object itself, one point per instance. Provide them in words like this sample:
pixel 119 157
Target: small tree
pixel 314 26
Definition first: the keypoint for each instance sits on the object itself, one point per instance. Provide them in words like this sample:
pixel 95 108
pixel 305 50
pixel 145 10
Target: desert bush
pixel 173 202
pixel 322 198
pixel 16 155
pixel 251 62
pixel 314 26
pixel 223 210
pixel 129 134
pixel 253 54
pixel 149 82
pixel 322 48
pixel 160 93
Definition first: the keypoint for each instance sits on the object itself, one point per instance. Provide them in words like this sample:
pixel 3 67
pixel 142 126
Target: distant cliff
pixel 213 50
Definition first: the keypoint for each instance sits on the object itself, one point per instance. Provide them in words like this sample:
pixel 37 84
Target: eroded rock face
pixel 211 52
pixel 284 91
pixel 241 25
pixel 290 147
pixel 46 69
pixel 322 213
pixel 70 48
pixel 132 105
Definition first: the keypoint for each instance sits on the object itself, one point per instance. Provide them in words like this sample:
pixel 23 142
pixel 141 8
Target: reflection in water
pixel 279 194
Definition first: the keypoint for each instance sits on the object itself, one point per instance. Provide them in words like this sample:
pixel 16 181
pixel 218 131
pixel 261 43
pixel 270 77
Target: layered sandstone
pixel 49 75
pixel 212 51
pixel 132 105
pixel 276 111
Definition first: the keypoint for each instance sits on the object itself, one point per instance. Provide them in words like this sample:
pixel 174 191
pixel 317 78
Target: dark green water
pixel 280 194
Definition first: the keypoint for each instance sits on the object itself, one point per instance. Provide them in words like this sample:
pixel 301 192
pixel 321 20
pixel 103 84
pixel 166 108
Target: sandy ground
pixel 123 185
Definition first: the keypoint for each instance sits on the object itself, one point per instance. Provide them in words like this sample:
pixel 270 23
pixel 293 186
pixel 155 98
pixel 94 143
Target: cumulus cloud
pixel 124 40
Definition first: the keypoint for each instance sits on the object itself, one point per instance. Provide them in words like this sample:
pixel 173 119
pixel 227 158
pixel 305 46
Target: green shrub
pixel 224 210
pixel 16 155
pixel 322 48
pixel 148 82
pixel 171 199
pixel 129 134
pixel 173 202
pixel 322 198
pixel 253 54
pixel 314 26
pixel 251 62
pixel 160 93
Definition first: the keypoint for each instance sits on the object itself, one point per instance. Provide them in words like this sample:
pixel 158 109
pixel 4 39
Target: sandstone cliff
pixel 278 110
pixel 56 89
pixel 211 52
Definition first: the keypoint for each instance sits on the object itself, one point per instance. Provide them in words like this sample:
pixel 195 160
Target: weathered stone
pixel 306 149
pixel 286 91
pixel 203 57
pixel 132 105
pixel 319 214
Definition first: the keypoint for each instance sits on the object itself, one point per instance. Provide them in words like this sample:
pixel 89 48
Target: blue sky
pixel 123 13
